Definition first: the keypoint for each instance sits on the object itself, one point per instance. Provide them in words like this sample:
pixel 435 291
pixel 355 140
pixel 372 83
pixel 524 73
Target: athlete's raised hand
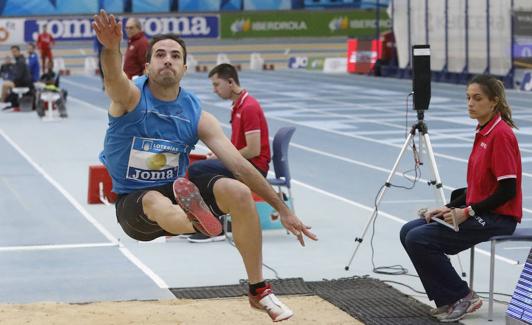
pixel 108 30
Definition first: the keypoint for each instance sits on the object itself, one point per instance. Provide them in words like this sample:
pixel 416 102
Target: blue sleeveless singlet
pixel 149 146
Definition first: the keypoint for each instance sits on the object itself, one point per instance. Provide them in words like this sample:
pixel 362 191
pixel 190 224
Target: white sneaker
pixel 184 236
pixel 439 312
pixel 4 106
pixel 267 302
pixel 201 238
pixel 462 307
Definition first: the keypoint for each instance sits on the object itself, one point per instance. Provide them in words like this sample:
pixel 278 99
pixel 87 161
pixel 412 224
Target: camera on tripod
pixel 421 76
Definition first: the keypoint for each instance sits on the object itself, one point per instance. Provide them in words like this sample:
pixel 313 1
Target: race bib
pixel 152 160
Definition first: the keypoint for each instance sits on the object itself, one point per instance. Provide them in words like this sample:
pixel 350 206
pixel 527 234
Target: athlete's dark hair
pixel 162 37
pixel 225 71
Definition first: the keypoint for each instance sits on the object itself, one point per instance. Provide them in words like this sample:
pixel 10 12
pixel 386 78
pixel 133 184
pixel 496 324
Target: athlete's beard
pixel 166 80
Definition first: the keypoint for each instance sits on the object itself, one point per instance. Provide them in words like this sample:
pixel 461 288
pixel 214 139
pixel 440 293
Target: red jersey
pixel 248 117
pixel 495 156
pixel 45 41
pixel 135 57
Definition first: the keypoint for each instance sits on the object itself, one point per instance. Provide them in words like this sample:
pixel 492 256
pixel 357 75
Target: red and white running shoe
pixel 189 199
pixel 267 302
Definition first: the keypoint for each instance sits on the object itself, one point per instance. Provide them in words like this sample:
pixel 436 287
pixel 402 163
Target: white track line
pixel 355 162
pixel 367 208
pixel 386 215
pixel 389 216
pixel 89 105
pixel 78 84
pixel 387 143
pixel 53 247
pixel 517 248
pixel 351 135
pixel 144 268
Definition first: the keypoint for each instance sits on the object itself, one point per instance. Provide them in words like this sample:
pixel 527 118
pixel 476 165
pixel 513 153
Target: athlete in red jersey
pixel 45 41
pixel 249 133
pixel 249 129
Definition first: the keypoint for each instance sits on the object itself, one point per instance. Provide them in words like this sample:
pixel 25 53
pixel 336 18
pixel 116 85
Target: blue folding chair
pixel 281 142
pixel 520 234
pixel 526 83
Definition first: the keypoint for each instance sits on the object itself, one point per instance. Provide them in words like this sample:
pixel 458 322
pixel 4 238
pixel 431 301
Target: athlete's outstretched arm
pixel 123 93
pixel 211 134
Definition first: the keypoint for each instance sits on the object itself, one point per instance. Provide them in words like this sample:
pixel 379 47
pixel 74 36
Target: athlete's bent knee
pixel 230 193
pixel 240 193
pixel 152 201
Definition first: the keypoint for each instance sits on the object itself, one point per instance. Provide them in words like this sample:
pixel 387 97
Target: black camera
pixel 421 76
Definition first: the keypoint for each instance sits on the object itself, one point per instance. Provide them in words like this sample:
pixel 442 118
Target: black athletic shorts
pixel 130 214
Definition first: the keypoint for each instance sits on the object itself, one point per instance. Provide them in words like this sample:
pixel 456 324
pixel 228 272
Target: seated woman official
pixel 491 205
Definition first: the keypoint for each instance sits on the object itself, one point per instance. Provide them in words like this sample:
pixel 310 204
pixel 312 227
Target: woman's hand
pixel 460 216
pixel 436 213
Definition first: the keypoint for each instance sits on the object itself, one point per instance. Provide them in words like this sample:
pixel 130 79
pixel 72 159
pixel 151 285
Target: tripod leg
pixel 358 240
pixel 434 168
pixel 439 188
pixel 437 180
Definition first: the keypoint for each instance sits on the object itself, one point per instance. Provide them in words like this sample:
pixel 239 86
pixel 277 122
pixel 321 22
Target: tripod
pixel 424 140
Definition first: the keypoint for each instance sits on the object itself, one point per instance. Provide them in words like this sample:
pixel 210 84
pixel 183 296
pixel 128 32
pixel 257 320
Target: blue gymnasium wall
pixel 13 8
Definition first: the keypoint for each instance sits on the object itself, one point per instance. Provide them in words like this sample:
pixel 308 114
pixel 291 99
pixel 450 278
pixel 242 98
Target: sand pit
pixel 308 310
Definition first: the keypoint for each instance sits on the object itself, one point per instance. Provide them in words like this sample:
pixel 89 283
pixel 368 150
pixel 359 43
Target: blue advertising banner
pixel 141 6
pixel 298 62
pixel 523 50
pixel 336 4
pixel 209 5
pixel 523 56
pixel 267 4
pixel 61 29
pixel 113 6
pixel 185 26
pixel 75 29
pixel 25 8
pixel 48 7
